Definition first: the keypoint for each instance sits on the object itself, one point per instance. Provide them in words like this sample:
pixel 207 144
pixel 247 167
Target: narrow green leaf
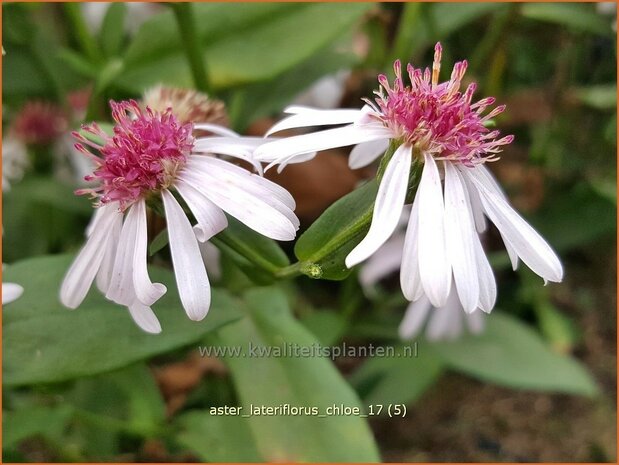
pixel 49 422
pixel 45 342
pixel 339 229
pixel 510 353
pixel 397 380
pixel 273 381
pixel 218 438
pixel 275 38
pixel 578 16
pixel 326 326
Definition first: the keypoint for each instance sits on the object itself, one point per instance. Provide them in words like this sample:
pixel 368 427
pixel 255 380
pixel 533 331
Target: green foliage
pixel 298 381
pixel 399 380
pixel 338 230
pixel 275 38
pixel 44 342
pixel 508 352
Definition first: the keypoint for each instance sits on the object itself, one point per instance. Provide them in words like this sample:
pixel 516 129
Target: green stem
pixel 244 250
pixel 291 271
pixel 405 44
pixel 187 29
pixel 86 41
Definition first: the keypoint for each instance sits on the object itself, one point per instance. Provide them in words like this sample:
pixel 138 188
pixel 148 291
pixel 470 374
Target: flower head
pixel 143 156
pixel 187 104
pixel 39 123
pixel 435 127
pixel 436 118
pixel 151 157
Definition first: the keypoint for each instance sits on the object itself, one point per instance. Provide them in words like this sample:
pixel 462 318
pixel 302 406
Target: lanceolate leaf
pixel 338 230
pixel 305 382
pixel 508 352
pixel 44 342
pixel 241 45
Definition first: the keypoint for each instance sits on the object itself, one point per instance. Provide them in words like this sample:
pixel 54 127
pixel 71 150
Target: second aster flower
pixel 153 158
pixel 438 128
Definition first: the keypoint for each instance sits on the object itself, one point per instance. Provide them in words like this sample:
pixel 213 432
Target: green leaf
pixel 510 353
pixel 297 381
pixel 218 438
pixel 49 422
pixel 397 380
pixel 129 396
pixel 47 207
pixel 581 17
pixel 159 242
pixel 601 97
pixel 339 229
pixel 262 99
pixel 113 29
pixel 241 46
pixel 44 342
pixel 597 216
pixel 447 18
pixel 326 326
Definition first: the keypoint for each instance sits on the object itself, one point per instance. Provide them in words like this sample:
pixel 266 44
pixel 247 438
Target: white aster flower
pixel 437 127
pixel 153 157
pixel 448 322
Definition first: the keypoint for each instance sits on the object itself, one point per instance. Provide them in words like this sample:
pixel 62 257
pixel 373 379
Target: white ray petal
pixel 317 141
pixel 211 256
pixel 215 129
pixel 476 207
pixel 82 272
pixel 446 321
pixel 11 292
pixel 307 117
pixel 243 183
pixel 385 261
pixel 247 208
pixel 191 279
pixel 240 174
pixel 388 206
pixel 513 256
pixel 487 283
pixel 410 279
pixel 121 288
pixel 211 219
pixel 146 291
pixel 104 275
pixel 291 160
pixel 365 153
pixel 144 317
pixel 414 318
pixel 434 266
pixel 476 323
pixel 526 242
pixel 485 176
pixel 459 236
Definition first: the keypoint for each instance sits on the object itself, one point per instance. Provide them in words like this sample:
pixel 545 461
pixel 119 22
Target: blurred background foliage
pixel 538 385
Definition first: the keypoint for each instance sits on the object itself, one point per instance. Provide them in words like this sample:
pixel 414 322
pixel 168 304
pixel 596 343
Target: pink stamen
pixel 438 118
pixel 145 153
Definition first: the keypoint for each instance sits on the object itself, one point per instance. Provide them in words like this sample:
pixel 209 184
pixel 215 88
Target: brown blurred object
pixel 314 184
pixel 523 182
pixel 177 380
pixel 525 107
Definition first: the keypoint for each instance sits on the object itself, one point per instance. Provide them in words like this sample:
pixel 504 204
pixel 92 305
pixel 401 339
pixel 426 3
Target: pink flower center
pixel 144 155
pixel 438 118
